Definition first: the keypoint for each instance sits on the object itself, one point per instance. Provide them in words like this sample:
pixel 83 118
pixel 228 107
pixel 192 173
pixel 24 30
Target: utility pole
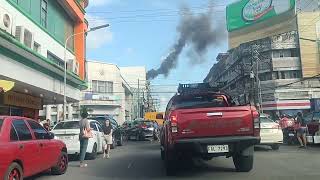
pixel 257 87
pixel 138 111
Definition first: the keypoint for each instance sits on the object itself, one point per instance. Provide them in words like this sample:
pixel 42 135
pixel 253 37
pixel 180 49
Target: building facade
pixel 32 38
pixel 108 93
pixel 272 63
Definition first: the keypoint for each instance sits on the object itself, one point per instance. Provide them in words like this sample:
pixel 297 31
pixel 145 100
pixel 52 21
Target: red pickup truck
pixel 202 122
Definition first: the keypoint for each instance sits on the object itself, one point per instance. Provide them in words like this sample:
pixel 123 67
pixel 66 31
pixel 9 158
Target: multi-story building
pixel 273 60
pixel 108 93
pixel 32 38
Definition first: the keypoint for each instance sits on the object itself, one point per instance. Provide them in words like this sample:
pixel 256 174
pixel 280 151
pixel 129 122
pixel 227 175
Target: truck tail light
pixel 256 121
pixel 174 124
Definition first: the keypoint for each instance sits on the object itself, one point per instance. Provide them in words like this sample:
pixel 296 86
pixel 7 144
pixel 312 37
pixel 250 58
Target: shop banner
pixel 22 100
pixel 247 12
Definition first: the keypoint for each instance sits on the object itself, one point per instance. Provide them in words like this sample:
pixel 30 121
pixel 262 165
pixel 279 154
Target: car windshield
pixel 200 101
pixel 265 120
pixel 1 122
pixel 68 125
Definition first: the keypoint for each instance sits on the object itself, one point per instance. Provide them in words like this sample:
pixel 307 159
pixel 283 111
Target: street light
pixel 65 63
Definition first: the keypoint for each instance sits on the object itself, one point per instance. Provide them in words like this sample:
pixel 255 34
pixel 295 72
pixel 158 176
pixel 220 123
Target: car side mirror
pixel 50 135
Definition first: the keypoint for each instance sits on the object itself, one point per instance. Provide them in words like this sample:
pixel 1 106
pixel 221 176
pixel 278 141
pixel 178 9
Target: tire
pixel 162 154
pixel 120 142
pixel 243 163
pixel 14 170
pixel 93 154
pixel 62 164
pixel 275 146
pixel 170 164
pixel 114 144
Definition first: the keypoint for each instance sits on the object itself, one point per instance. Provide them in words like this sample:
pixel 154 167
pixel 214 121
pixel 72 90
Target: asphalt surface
pixel 141 160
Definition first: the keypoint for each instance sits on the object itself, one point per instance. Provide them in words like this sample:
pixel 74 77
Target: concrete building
pixel 282 53
pixel 32 37
pixel 108 92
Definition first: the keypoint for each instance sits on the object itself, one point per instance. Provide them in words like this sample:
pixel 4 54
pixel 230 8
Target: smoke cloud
pixel 198 32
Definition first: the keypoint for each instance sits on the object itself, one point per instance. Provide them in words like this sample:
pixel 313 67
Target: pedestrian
pixel 85 134
pixel 107 130
pixel 301 130
pixel 156 130
pixel 284 124
pixel 46 125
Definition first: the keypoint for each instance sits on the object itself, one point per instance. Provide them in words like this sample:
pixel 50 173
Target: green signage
pixel 247 12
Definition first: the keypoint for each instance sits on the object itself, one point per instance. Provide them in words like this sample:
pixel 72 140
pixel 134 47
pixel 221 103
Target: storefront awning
pixel 6 85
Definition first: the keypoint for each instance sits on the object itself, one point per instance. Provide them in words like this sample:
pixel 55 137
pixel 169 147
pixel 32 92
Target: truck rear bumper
pixel 198 146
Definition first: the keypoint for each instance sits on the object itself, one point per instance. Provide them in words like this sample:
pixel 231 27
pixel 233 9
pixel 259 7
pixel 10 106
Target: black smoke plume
pixel 196 30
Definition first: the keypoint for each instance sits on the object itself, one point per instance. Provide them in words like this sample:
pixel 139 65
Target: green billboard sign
pixel 247 12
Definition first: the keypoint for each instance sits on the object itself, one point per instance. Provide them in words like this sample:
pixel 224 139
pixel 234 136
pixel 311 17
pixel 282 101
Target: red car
pixel 26 149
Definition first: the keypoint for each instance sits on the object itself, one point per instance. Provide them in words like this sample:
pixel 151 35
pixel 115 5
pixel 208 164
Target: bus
pixel 154 116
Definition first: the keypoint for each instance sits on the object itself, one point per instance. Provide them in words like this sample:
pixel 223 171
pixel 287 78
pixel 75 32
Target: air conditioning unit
pixel 73 66
pixel 76 68
pixel 6 21
pixel 25 36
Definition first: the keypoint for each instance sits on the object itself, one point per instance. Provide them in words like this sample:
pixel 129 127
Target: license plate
pixel 291 135
pixel 218 148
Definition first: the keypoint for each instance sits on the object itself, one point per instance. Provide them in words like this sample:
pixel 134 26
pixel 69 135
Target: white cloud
pixel 96 3
pixel 100 37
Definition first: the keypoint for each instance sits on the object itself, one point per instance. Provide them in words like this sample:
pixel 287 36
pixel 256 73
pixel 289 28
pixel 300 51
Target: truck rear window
pixel 199 101
pixel 1 122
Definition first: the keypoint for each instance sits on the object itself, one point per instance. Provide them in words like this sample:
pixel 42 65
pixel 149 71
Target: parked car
pixel 68 132
pixel 26 149
pixel 201 121
pixel 140 130
pixel 117 136
pixel 270 133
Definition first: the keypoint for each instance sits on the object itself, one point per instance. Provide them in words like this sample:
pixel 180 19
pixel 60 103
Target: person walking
pixel 107 130
pixel 85 134
pixel 284 124
pixel 301 130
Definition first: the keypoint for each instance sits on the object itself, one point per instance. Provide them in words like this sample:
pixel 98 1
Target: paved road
pixel 141 160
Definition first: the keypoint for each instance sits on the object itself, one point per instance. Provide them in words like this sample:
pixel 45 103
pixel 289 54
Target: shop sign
pixel 22 100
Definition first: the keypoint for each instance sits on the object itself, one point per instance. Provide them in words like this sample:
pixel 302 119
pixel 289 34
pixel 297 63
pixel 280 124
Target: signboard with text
pixel 247 12
pixel 22 100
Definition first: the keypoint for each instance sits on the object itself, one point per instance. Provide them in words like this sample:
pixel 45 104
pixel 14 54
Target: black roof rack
pixel 196 88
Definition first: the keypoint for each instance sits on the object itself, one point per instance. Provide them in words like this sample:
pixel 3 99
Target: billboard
pixel 247 12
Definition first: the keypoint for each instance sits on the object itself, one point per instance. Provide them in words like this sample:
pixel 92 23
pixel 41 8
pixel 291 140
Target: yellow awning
pixel 6 85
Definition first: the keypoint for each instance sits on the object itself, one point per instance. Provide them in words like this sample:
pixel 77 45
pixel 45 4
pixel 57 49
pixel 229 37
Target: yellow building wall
pixel 310 60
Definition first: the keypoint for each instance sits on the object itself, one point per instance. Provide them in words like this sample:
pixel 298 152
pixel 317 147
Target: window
pixel 68 125
pixel 201 101
pixel 99 128
pixel 44 13
pixel 36 47
pixel 102 86
pixel 265 76
pixel 93 126
pixel 22 130
pixel 13 134
pixel 275 75
pixel 38 130
pixel 285 53
pixel 282 75
pixel 290 74
pixel 55 59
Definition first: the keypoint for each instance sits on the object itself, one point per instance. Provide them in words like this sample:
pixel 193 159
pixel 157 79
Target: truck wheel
pixel 120 142
pixel 243 163
pixel 170 164
pixel 275 146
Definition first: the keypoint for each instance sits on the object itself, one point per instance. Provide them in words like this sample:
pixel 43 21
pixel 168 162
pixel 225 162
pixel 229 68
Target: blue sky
pixel 142 33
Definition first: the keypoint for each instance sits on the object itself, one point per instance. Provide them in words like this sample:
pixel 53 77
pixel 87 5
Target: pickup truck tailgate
pixel 217 121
